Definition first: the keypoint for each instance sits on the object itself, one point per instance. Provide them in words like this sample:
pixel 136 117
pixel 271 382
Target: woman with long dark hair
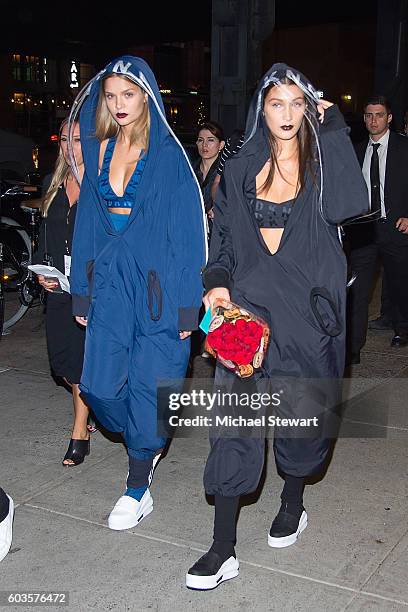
pixel 276 250
pixel 210 143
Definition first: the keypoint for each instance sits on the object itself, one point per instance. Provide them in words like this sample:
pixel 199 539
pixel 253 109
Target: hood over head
pixel 256 142
pixel 275 75
pixel 86 103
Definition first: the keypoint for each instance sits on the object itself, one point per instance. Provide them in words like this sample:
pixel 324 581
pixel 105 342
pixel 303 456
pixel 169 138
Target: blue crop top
pixel 105 189
pixel 270 215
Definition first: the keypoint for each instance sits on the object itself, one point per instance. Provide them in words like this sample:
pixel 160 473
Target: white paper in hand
pixel 51 271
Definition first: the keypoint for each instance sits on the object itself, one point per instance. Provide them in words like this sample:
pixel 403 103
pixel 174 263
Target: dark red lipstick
pixel 121 115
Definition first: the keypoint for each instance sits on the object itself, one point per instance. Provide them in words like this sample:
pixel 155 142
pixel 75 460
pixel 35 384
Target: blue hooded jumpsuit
pixel 138 286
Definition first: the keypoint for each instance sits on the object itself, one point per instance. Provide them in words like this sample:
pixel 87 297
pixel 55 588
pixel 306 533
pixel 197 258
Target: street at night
pixel 202 202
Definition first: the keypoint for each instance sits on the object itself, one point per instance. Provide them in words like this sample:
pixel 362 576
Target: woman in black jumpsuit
pixel 65 337
pixel 275 250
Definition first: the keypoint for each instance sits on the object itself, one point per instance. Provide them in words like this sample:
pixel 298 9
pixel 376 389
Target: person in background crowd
pixel 232 146
pixel 210 143
pixel 383 158
pixel 384 321
pixel 65 337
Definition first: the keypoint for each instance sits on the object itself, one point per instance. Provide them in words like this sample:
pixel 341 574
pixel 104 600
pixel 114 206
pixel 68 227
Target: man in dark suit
pixel 384 233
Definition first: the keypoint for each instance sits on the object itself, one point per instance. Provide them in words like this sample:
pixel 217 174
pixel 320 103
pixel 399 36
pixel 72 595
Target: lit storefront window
pixel 18 99
pixel 32 69
pixel 16 67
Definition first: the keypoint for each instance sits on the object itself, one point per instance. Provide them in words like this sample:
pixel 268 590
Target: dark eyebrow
pixel 283 100
pixel 124 91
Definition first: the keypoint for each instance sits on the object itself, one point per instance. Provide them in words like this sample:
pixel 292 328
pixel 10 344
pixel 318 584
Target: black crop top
pixel 270 215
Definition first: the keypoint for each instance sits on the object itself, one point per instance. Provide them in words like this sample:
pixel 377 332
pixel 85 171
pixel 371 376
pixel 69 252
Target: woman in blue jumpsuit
pixel 275 250
pixel 138 250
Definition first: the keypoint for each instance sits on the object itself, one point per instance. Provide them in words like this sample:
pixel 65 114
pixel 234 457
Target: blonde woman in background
pixel 65 337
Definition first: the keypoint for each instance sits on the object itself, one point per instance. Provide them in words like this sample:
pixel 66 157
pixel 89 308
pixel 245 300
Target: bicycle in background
pixel 19 229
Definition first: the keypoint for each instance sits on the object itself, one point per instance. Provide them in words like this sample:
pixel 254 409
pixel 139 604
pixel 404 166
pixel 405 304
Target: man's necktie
pixel 375 180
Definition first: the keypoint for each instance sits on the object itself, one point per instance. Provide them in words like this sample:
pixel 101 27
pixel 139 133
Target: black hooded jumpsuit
pixel 300 290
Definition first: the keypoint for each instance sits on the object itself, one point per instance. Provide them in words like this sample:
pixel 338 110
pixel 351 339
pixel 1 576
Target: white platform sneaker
pixel 210 571
pixel 6 530
pixel 128 512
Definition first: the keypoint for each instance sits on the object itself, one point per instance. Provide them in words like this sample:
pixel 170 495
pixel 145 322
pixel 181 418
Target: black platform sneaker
pixel 210 570
pixel 286 528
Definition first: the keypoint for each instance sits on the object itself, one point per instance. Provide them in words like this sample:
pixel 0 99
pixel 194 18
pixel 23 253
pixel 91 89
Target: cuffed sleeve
pixel 344 189
pixel 333 120
pixel 216 277
pixel 80 305
pixel 188 318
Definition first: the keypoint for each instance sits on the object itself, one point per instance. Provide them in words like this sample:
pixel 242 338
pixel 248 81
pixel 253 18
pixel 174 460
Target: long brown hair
pixel 107 127
pixel 304 137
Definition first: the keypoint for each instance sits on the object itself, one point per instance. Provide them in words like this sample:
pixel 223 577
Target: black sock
pixel 225 526
pixel 292 495
pixel 139 470
pixel 4 505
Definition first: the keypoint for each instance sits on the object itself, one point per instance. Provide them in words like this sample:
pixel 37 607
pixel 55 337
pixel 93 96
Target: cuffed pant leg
pixel 234 466
pixel 301 457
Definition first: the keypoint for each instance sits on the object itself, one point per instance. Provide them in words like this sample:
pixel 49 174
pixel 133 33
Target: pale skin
pixel 125 102
pixel 377 120
pixel 284 105
pixel 209 147
pixel 81 412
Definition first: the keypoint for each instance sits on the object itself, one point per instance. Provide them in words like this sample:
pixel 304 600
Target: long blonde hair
pixel 107 127
pixel 62 169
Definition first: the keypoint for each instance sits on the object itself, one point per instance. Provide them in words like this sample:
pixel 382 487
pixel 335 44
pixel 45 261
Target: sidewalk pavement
pixel 353 555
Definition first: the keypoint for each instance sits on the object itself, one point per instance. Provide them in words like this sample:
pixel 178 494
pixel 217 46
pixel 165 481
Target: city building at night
pixel 38 90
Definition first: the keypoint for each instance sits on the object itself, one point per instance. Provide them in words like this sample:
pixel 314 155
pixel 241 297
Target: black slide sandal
pixel 77 451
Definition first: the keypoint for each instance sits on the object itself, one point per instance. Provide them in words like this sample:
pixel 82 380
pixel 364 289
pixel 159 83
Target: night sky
pixel 38 24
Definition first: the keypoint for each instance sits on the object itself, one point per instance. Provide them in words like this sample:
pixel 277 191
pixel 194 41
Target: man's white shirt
pixel 382 158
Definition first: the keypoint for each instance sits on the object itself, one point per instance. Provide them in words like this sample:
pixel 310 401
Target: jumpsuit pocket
pixel 325 311
pixel 154 295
